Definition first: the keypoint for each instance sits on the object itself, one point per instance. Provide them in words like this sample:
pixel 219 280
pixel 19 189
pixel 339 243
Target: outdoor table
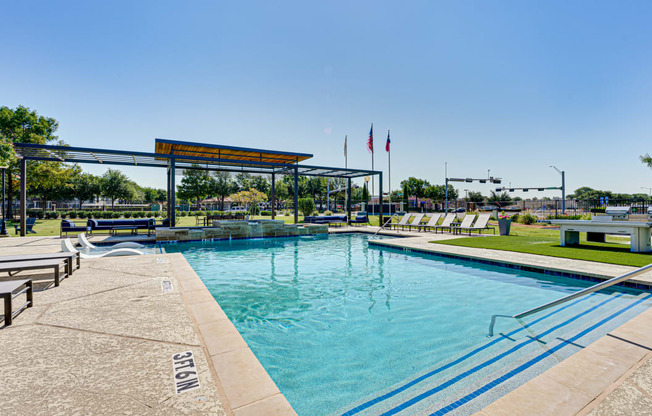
pixel 639 232
pixel 133 228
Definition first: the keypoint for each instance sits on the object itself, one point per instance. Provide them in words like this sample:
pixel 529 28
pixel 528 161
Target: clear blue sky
pixel 511 86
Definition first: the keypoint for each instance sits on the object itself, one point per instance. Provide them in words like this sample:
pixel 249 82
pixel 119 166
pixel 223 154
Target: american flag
pixel 388 142
pixel 370 142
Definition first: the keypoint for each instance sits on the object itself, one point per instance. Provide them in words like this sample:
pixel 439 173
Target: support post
pixel 348 203
pixel 273 195
pixel 563 192
pixel 446 198
pixel 168 193
pixel 296 195
pixel 3 225
pixel 380 199
pixel 173 203
pixel 23 197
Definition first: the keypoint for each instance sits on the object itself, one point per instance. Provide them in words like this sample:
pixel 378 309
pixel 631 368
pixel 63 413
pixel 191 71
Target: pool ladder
pixel 384 224
pixel 588 290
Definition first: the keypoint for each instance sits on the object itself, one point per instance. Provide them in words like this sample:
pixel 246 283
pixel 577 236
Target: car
pixel 238 209
pixel 459 210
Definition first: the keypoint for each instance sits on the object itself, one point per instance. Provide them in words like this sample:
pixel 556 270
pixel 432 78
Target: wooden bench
pixel 69 257
pixel 7 290
pixel 54 264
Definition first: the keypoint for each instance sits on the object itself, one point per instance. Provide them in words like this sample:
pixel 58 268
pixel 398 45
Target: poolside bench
pixel 71 259
pixel 7 290
pixel 148 224
pixel 54 264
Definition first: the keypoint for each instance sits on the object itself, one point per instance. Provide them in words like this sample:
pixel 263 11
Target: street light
pixel 563 188
pixel 649 189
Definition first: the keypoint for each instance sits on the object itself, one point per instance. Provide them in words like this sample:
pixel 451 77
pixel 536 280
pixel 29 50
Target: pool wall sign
pixel 186 377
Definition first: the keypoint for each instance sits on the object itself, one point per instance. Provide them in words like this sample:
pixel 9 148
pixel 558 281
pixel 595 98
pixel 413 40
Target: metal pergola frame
pixel 237 160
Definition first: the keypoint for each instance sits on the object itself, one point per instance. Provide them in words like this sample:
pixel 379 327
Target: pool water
pixel 345 328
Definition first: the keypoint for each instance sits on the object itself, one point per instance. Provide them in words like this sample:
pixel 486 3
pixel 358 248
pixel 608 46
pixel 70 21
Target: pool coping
pixel 244 385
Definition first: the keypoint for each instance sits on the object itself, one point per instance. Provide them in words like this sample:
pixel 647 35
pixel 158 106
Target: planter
pixel 504 225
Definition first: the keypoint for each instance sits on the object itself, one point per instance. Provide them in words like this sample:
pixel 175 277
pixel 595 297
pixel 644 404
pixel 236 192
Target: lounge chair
pixel 432 222
pixel 416 221
pixel 7 290
pixel 29 224
pixel 447 223
pixel 402 223
pixel 466 223
pixel 66 245
pixel 69 257
pixel 54 264
pixel 479 226
pixel 87 245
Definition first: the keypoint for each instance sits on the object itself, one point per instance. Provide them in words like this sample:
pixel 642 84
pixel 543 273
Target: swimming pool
pixel 345 328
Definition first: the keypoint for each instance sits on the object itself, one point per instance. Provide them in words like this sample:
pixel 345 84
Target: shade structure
pixel 173 155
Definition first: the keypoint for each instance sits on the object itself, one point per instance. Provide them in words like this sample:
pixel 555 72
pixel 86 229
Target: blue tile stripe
pixel 412 383
pixel 639 286
pixel 207 240
pixel 492 360
pixel 525 366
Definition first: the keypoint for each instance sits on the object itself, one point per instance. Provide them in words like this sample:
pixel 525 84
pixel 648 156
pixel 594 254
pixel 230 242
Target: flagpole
pixel 389 173
pixel 372 168
pixel 346 166
pixel 346 156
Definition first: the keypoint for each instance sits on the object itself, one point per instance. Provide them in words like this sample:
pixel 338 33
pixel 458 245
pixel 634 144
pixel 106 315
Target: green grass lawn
pixel 545 241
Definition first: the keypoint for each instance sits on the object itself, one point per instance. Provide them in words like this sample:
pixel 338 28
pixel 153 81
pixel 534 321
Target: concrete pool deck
pixel 103 342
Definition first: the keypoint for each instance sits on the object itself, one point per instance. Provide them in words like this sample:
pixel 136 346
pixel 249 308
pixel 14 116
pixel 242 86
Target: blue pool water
pixel 344 328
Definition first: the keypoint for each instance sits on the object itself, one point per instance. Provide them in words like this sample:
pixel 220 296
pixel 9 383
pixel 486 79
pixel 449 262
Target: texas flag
pixel 388 142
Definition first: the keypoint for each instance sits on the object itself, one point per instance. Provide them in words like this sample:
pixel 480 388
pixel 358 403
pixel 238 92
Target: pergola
pixel 172 155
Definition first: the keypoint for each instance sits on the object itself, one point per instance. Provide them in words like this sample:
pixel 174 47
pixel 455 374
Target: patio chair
pixel 447 223
pixel 479 226
pixel 416 221
pixel 402 222
pixel 87 245
pixel 432 223
pixel 29 224
pixel 66 245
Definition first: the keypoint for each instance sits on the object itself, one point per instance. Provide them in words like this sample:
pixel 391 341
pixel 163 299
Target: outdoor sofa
pixel 112 226
pixel 360 218
pixel 326 219
pixel 68 226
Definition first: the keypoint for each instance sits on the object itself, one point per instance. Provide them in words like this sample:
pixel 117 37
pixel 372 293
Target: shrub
pixel 514 218
pixel 73 215
pixel 128 214
pixel 184 213
pixel 255 210
pixel 82 214
pixel 150 214
pixel 63 214
pixel 328 213
pixel 307 206
pixel 266 213
pixel 527 218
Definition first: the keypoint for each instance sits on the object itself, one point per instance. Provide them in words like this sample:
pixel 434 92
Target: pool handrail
pixel 588 290
pixel 386 222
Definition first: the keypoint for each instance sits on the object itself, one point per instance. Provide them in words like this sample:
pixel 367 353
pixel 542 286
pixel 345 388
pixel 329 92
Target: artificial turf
pixel 546 242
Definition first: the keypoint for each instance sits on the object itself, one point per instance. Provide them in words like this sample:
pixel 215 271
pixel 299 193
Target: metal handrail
pixel 594 288
pixel 383 226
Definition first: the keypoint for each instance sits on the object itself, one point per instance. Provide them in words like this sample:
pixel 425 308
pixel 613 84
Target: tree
pixel 51 181
pixel 7 153
pixel 221 185
pixel 22 125
pixel 415 187
pixel 249 198
pixel 115 185
pixel 476 197
pixel 496 198
pixel 195 185
pixel 307 206
pixel 85 187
